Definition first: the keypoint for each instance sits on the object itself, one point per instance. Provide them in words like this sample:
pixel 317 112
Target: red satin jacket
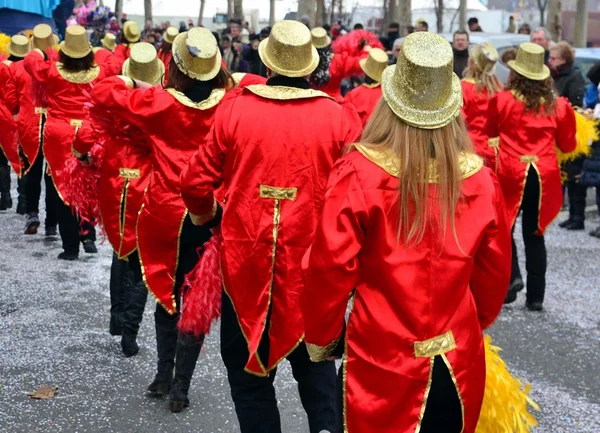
pixel 271 149
pixel 527 140
pixel 403 313
pixel 177 127
pixel 475 105
pixel 67 93
pixel 122 52
pixel 165 57
pixel 365 99
pixel 342 66
pixel 9 141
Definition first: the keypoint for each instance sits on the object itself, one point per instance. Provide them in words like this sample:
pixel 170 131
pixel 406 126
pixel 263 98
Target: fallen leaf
pixel 44 393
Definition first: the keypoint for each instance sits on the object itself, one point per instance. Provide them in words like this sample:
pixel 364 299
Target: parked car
pixel 585 58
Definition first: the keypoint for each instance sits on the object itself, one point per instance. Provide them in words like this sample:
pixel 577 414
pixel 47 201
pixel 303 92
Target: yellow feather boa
pixel 586 133
pixel 506 401
pixel 4 42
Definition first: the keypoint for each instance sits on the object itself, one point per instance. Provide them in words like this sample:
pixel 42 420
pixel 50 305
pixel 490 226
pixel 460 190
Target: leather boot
pixel 117 294
pixel 188 350
pixel 166 345
pixel 22 203
pixel 133 313
pixel 5 198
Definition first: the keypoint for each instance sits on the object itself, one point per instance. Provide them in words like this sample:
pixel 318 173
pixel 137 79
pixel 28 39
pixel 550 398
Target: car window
pixel 584 65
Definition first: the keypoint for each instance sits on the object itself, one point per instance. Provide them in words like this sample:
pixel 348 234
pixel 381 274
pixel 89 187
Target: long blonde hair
pixel 484 79
pixel 415 149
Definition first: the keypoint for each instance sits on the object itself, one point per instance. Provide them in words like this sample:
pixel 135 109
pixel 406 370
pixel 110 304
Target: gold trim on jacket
pixel 284 93
pixel 79 77
pixel 213 99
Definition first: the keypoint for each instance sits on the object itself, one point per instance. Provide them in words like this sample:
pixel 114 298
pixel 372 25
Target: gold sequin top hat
pixel 320 38
pixel 170 34
pixel 530 62
pixel 421 88
pixel 19 46
pixel 374 64
pixel 484 56
pixel 109 41
pixel 143 64
pixel 288 50
pixel 196 54
pixel 131 31
pixel 43 37
pixel 76 43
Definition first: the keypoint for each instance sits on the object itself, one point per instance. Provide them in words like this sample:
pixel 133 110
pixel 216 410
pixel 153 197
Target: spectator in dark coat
pixel 460 46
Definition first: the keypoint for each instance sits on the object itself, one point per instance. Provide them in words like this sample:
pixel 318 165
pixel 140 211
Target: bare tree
pixel 201 14
pixel 272 13
pixel 542 4
pixel 148 10
pixel 341 8
pixel 230 9
pixel 118 9
pixel 439 14
pixel 404 15
pixel 462 15
pixel 321 17
pixel 554 24
pixel 391 15
pixel 308 8
pixel 238 9
pixel 582 24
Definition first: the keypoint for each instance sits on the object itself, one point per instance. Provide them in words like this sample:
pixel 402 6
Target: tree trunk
pixel 229 9
pixel 391 15
pixel 341 8
pixel 554 25
pixel 308 8
pixel 332 12
pixel 118 10
pixel 201 13
pixel 404 13
pixel 272 13
pixel 321 17
pixel 542 7
pixel 238 9
pixel 582 24
pixel 148 10
pixel 462 15
pixel 439 15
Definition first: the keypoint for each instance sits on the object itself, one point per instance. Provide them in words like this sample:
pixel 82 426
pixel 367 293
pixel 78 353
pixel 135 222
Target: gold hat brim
pixel 326 42
pixel 14 53
pixel 540 76
pixel 74 54
pixel 423 119
pixel 280 69
pixel 108 45
pixel 170 40
pixel 156 79
pixel 374 75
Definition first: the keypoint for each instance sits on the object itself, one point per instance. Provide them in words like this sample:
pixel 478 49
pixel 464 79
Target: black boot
pixel 166 345
pixel 5 198
pixel 188 350
pixel 117 294
pixel 22 203
pixel 133 313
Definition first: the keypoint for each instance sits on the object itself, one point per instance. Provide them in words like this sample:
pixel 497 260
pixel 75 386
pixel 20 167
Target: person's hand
pixel 142 84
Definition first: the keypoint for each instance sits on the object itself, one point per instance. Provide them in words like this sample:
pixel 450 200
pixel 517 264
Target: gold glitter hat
pixel 76 43
pixel 143 64
pixel 484 56
pixel 170 34
pixel 320 38
pixel 530 62
pixel 288 50
pixel 131 31
pixel 42 37
pixel 109 41
pixel 421 88
pixel 19 46
pixel 196 54
pixel 374 64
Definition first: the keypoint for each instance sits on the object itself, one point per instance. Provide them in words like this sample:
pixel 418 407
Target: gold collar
pixel 80 77
pixel 213 99
pixel 7 62
pixel 284 93
pixel 519 97
pixel 371 86
pixel 469 162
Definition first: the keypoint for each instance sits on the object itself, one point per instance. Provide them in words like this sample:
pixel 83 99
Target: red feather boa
pixel 202 290
pixel 38 92
pixel 353 42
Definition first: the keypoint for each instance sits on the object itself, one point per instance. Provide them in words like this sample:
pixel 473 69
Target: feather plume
pixel 352 43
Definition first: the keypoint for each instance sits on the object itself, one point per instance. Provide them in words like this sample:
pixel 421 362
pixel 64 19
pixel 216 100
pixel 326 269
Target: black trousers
pixel 33 191
pixel 254 397
pixel 577 199
pixel 72 232
pixel 535 246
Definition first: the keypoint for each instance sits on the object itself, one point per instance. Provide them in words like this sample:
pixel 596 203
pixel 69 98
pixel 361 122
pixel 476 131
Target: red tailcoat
pixel 109 61
pixel 403 313
pixel 245 79
pixel 342 66
pixel 165 57
pixel 475 105
pixel 177 126
pixel 122 52
pixel 9 141
pixel 365 99
pixel 67 94
pixel 19 100
pixel 271 149
pixel 527 140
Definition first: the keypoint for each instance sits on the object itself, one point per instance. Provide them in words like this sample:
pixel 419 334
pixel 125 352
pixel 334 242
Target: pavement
pixel 54 331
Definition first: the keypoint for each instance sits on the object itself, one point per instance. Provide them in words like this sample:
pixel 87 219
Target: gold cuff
pixel 435 346
pixel 203 219
pixel 321 353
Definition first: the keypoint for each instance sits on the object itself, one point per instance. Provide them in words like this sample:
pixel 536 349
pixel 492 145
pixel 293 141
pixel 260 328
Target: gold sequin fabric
pixel 196 54
pixel 284 93
pixel 80 77
pixel 214 98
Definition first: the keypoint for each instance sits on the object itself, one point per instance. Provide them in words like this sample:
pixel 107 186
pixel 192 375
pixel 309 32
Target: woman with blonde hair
pixel 413 227
pixel 529 122
pixel 480 83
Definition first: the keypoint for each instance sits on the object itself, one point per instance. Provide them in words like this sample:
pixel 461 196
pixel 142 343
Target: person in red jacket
pixel 530 121
pixel 130 35
pixel 271 149
pixel 366 96
pixel 397 214
pixel 333 68
pixel 479 85
pixel 165 52
pixel 124 176
pixel 177 120
pixel 109 42
pixel 67 84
